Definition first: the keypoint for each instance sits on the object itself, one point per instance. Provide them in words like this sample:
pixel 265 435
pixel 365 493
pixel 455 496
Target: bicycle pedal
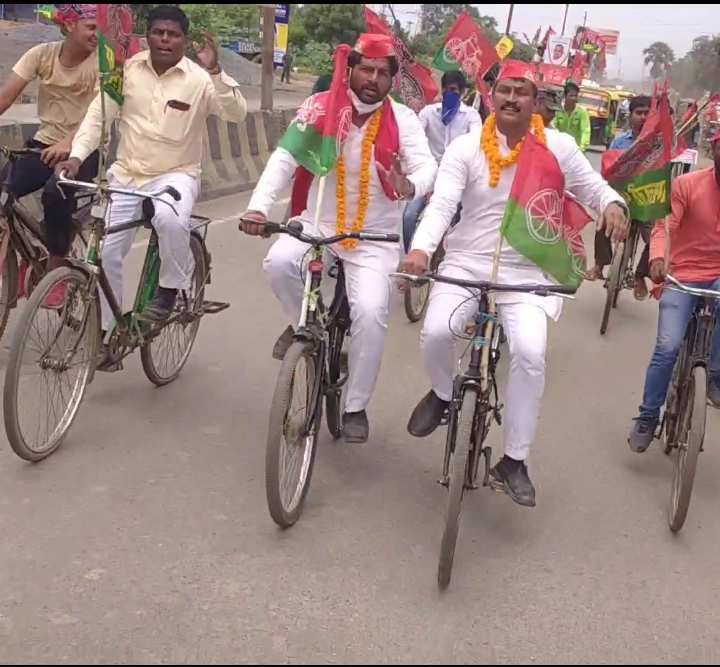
pixel 444 482
pixel 214 307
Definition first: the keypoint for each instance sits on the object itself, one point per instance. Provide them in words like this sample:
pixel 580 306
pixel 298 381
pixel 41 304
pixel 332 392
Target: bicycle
pixel 683 423
pixel 622 272
pixel 312 369
pixel 54 353
pixel 475 403
pixel 23 236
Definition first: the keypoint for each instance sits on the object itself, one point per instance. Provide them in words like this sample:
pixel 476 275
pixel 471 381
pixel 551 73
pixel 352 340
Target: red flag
pixel 414 82
pixel 578 69
pixel 467 45
pixel 555 74
pixel 651 150
pixel 550 32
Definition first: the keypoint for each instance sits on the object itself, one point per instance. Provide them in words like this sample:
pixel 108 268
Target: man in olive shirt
pixel 167 99
pixel 68 74
pixel 573 119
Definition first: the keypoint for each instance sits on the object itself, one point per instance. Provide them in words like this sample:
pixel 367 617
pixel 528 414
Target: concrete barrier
pixel 233 155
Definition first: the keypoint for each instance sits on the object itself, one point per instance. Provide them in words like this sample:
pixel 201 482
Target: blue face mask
pixel 450 106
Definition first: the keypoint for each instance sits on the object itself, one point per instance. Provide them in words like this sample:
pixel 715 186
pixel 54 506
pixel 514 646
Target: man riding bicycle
pixel 168 98
pixel 695 261
pixel 399 166
pixel 443 122
pixel 479 173
pixel 639 110
pixel 68 75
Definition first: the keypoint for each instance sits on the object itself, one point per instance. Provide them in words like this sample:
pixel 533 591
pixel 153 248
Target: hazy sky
pixel 639 26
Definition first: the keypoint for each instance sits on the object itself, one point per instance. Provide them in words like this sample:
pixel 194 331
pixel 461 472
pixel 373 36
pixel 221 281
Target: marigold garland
pixel 364 200
pixel 489 144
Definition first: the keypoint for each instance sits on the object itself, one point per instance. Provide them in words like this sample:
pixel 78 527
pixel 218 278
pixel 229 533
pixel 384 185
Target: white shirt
pixel 384 216
pixel 464 177
pixel 439 135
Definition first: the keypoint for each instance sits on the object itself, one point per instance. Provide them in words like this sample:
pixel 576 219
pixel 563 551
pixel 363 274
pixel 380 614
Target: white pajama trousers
pixel 176 260
pixel 368 289
pixel 525 325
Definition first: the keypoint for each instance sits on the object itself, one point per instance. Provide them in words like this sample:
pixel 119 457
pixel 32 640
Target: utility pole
pixel 268 56
pixel 509 21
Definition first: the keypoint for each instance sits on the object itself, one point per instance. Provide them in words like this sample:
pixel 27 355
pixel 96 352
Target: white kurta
pixel 470 248
pixel 368 265
pixel 439 135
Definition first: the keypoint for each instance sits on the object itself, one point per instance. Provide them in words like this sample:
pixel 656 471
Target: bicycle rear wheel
pixel 333 400
pixel 52 359
pixel 456 489
pixel 690 440
pixel 614 284
pixel 165 354
pixel 292 435
pixel 8 288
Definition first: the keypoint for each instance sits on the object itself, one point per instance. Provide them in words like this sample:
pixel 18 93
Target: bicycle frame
pixel 479 377
pixel 315 327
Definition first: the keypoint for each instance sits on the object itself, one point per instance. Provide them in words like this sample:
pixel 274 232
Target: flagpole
pixel 509 21
pixel 562 34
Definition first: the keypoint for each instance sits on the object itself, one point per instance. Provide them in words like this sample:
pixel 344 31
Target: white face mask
pixel 360 106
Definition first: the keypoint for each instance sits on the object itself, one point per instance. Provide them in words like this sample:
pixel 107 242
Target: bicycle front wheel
pixel 614 285
pixel 52 358
pixel 292 435
pixel 165 354
pixel 456 489
pixel 690 440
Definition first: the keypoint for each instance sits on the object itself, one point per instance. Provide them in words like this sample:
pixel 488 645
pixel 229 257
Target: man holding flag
pixel 372 152
pixel 694 249
pixel 511 179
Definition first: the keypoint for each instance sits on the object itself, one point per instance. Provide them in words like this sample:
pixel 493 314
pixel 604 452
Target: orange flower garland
pixel 489 144
pixel 340 195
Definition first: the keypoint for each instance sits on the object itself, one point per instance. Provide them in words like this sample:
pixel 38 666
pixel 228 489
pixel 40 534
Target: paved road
pixel 146 538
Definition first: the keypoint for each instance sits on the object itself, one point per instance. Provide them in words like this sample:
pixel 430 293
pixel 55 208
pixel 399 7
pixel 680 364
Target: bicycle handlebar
pixel 20 152
pixel 695 291
pixel 563 291
pixel 295 228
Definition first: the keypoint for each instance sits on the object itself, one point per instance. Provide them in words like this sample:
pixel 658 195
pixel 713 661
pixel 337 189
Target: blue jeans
pixel 676 309
pixel 410 219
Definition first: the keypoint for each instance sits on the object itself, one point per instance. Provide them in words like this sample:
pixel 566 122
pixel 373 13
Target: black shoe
pixel 282 344
pixel 105 362
pixel 713 391
pixel 355 429
pixel 642 434
pixel 161 307
pixel 511 477
pixel 427 415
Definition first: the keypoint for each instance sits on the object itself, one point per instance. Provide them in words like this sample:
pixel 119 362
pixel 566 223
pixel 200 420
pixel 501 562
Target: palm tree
pixel 661 56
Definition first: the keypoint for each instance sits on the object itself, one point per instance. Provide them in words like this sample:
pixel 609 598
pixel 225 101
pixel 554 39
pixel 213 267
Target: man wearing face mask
pixel 443 122
pixel 478 172
pixel 401 166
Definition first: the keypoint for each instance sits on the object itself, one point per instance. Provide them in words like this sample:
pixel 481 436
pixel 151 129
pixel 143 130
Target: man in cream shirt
pixel 162 122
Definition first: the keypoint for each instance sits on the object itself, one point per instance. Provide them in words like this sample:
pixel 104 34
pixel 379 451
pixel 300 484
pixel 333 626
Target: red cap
pixel 372 45
pixel 516 69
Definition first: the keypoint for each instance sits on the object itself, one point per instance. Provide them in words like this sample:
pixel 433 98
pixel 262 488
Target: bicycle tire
pixel 9 287
pixel 286 514
pixel 88 324
pixel 614 285
pixel 693 431
pixel 333 398
pixel 151 351
pixel 456 488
